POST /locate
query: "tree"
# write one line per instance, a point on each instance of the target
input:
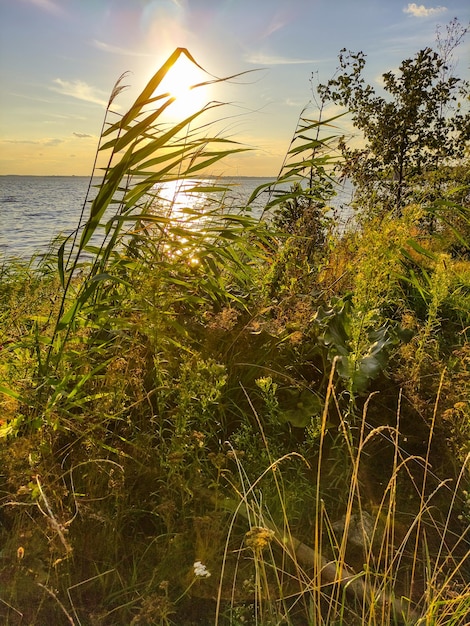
(415, 128)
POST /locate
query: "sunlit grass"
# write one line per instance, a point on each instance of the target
(270, 402)
(411, 572)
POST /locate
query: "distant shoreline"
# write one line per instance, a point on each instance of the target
(207, 176)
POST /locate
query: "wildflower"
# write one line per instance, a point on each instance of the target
(258, 538)
(200, 570)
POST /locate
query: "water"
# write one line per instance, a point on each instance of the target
(34, 210)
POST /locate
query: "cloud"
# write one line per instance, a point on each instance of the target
(20, 141)
(101, 45)
(47, 5)
(265, 59)
(79, 90)
(294, 103)
(275, 25)
(422, 11)
(50, 142)
(82, 135)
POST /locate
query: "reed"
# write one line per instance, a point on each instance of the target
(141, 151)
(211, 417)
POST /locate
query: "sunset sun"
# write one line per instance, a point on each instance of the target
(180, 84)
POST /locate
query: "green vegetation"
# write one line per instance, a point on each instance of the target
(417, 127)
(214, 419)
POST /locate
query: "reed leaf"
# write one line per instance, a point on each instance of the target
(145, 151)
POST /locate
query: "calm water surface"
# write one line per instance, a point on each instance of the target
(34, 210)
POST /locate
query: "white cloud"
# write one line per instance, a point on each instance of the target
(48, 5)
(101, 45)
(265, 59)
(294, 103)
(53, 142)
(48, 142)
(422, 11)
(274, 26)
(20, 141)
(79, 90)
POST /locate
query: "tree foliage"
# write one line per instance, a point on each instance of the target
(418, 125)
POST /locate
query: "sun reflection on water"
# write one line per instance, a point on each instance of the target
(191, 206)
(178, 195)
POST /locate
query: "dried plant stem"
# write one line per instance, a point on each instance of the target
(59, 528)
(53, 595)
(332, 572)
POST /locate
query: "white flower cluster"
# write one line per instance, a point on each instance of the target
(200, 570)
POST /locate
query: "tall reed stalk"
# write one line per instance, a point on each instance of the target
(142, 151)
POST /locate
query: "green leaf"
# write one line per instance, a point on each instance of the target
(11, 393)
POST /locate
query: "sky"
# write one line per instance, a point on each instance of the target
(59, 61)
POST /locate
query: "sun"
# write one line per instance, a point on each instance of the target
(179, 83)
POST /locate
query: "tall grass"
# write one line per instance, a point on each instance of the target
(376, 565)
(201, 410)
(141, 152)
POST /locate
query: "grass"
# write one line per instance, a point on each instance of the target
(386, 546)
(220, 420)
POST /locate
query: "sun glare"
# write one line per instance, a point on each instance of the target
(179, 82)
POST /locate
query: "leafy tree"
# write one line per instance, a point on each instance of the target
(417, 126)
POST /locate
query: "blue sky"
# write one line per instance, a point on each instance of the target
(59, 60)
